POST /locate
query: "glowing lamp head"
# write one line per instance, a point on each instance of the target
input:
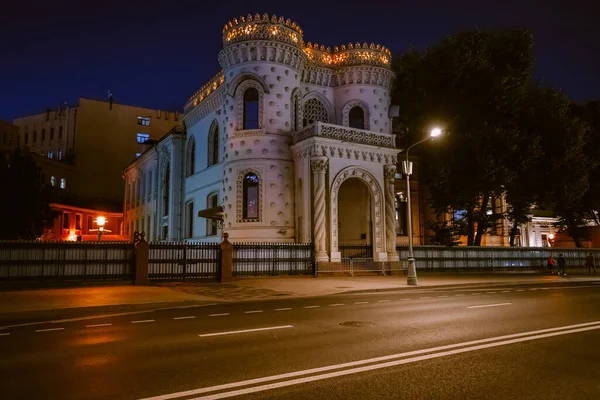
(100, 221)
(435, 132)
(551, 236)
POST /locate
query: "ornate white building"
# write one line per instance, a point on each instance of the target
(291, 140)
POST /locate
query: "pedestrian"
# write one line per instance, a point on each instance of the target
(589, 263)
(551, 264)
(561, 264)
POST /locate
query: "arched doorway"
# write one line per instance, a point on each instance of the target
(355, 219)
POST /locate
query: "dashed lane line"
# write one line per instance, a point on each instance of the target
(490, 292)
(4, 334)
(253, 312)
(311, 306)
(245, 331)
(383, 301)
(491, 305)
(188, 317)
(219, 315)
(283, 309)
(362, 302)
(505, 291)
(50, 330)
(142, 321)
(97, 325)
(336, 305)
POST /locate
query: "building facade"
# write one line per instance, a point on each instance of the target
(9, 137)
(291, 141)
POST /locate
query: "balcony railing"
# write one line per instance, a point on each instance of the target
(346, 134)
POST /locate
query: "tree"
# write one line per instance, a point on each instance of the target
(471, 82)
(27, 210)
(590, 113)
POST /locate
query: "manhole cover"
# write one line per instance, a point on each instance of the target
(357, 324)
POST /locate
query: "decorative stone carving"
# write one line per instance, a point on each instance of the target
(356, 103)
(371, 181)
(240, 195)
(365, 75)
(262, 50)
(249, 132)
(208, 105)
(346, 134)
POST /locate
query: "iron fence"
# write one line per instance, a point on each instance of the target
(57, 261)
(356, 251)
(358, 266)
(269, 259)
(442, 258)
(183, 261)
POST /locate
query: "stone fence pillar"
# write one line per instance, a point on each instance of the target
(142, 249)
(226, 259)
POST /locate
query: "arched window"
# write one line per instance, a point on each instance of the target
(211, 224)
(314, 111)
(213, 144)
(191, 157)
(251, 109)
(52, 181)
(250, 187)
(356, 118)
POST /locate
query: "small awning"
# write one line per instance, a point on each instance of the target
(212, 213)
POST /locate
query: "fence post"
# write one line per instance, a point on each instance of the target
(226, 259)
(141, 261)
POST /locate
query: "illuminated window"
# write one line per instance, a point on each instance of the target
(52, 181)
(356, 118)
(65, 224)
(143, 121)
(250, 206)
(314, 111)
(191, 157)
(251, 109)
(60, 155)
(90, 223)
(63, 183)
(78, 221)
(51, 133)
(213, 144)
(60, 132)
(50, 154)
(137, 155)
(189, 207)
(143, 137)
(211, 224)
(401, 215)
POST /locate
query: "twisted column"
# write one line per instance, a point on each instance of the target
(390, 212)
(319, 167)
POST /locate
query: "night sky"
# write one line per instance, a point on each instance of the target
(157, 53)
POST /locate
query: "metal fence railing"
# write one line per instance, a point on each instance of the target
(356, 251)
(358, 266)
(442, 258)
(58, 261)
(183, 261)
(267, 259)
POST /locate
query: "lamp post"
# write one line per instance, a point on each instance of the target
(407, 170)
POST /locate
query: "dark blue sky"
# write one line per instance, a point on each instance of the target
(157, 53)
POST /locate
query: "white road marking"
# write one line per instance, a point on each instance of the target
(246, 331)
(441, 296)
(336, 305)
(4, 334)
(490, 292)
(311, 306)
(97, 325)
(505, 291)
(188, 317)
(475, 345)
(219, 315)
(424, 297)
(491, 305)
(383, 301)
(142, 321)
(283, 309)
(362, 302)
(253, 312)
(50, 330)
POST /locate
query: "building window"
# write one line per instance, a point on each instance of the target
(42, 153)
(143, 137)
(191, 157)
(314, 111)
(401, 216)
(137, 155)
(143, 121)
(51, 133)
(211, 224)
(189, 209)
(63, 183)
(52, 181)
(213, 144)
(60, 132)
(167, 190)
(60, 154)
(251, 109)
(43, 135)
(78, 221)
(356, 118)
(90, 223)
(34, 136)
(65, 224)
(50, 154)
(250, 187)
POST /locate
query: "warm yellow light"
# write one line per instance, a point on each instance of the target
(551, 236)
(72, 237)
(100, 220)
(435, 132)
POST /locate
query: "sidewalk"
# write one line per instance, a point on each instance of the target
(55, 303)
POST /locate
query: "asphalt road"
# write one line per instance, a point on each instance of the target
(469, 342)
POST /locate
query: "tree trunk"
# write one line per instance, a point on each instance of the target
(470, 226)
(513, 233)
(482, 223)
(573, 230)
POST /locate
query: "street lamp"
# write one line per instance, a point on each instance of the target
(100, 221)
(407, 170)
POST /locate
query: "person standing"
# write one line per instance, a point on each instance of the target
(551, 263)
(589, 263)
(561, 265)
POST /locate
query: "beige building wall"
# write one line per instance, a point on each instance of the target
(9, 136)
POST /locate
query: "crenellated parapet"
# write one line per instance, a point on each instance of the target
(263, 27)
(208, 88)
(348, 55)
